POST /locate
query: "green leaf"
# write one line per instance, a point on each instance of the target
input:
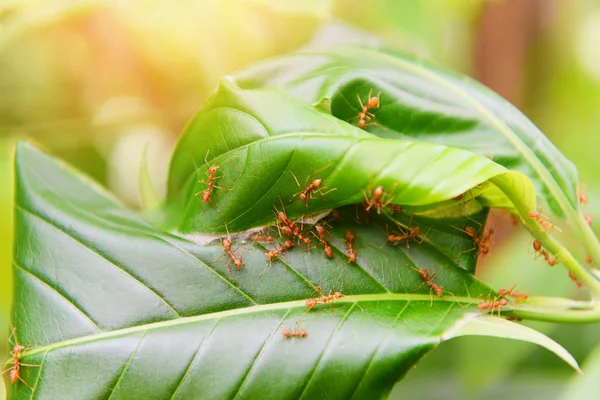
(585, 386)
(264, 139)
(499, 327)
(425, 103)
(115, 307)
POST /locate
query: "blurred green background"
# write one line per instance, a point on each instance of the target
(97, 82)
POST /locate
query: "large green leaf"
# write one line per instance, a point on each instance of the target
(115, 308)
(425, 103)
(261, 137)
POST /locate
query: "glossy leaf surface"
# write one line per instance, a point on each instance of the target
(424, 103)
(269, 146)
(113, 307)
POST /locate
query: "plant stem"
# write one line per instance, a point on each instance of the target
(561, 253)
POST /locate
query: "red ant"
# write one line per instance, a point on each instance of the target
(364, 115)
(537, 247)
(226, 243)
(588, 219)
(320, 299)
(377, 199)
(311, 188)
(321, 236)
(210, 173)
(542, 220)
(588, 259)
(295, 333)
(330, 298)
(583, 198)
(350, 238)
(481, 243)
(490, 304)
(396, 208)
(413, 233)
(263, 238)
(574, 279)
(512, 293)
(274, 253)
(271, 254)
(428, 280)
(290, 228)
(17, 353)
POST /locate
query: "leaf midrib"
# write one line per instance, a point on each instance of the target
(245, 311)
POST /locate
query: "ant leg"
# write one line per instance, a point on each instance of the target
(327, 192)
(362, 107)
(466, 251)
(422, 237)
(222, 188)
(13, 334)
(24, 382)
(296, 179)
(322, 169)
(420, 286)
(8, 370)
(206, 158)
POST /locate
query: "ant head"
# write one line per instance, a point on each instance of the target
(424, 274)
(439, 291)
(270, 255)
(503, 302)
(311, 303)
(338, 295)
(18, 348)
(290, 242)
(213, 169)
(349, 235)
(307, 240)
(238, 263)
(302, 333)
(588, 219)
(537, 245)
(362, 123)
(378, 191)
(583, 198)
(320, 229)
(352, 257)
